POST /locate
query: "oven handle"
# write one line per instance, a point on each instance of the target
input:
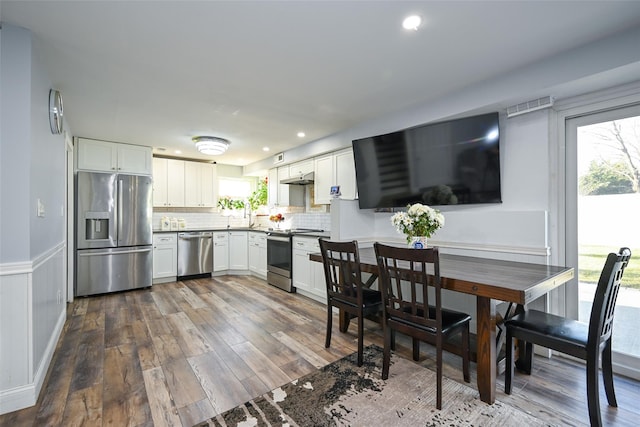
(279, 239)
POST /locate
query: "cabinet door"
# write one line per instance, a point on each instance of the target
(160, 176)
(301, 168)
(165, 255)
(175, 183)
(272, 188)
(301, 272)
(164, 262)
(346, 174)
(318, 283)
(324, 179)
(254, 254)
(208, 180)
(283, 189)
(262, 255)
(192, 185)
(220, 251)
(97, 155)
(238, 250)
(134, 159)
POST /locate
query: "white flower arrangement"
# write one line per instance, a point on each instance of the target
(418, 220)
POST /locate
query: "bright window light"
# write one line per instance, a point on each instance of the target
(236, 188)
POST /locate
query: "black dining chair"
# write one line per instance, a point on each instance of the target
(345, 289)
(406, 275)
(587, 341)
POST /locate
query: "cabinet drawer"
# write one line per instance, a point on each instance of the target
(165, 239)
(307, 244)
(221, 237)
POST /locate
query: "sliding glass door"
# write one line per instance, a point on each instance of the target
(603, 214)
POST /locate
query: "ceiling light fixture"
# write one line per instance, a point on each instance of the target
(301, 134)
(412, 22)
(211, 145)
(265, 148)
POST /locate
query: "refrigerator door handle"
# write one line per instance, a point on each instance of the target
(131, 251)
(120, 211)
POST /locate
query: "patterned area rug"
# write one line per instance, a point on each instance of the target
(343, 394)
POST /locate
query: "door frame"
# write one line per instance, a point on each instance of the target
(563, 200)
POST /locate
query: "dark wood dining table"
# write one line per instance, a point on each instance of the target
(491, 281)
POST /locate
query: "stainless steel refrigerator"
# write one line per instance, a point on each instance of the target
(113, 232)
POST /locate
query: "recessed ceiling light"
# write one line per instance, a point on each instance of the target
(301, 135)
(178, 152)
(265, 148)
(412, 22)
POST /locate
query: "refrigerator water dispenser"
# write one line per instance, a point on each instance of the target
(96, 225)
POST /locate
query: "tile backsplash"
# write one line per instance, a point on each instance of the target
(215, 220)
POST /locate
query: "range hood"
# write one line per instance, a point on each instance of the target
(304, 179)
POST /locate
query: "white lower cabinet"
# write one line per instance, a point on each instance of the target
(308, 276)
(258, 254)
(220, 251)
(230, 251)
(238, 257)
(165, 257)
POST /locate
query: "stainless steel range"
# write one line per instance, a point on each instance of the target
(279, 257)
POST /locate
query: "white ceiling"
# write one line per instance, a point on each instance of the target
(256, 72)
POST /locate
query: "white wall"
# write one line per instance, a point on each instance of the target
(15, 150)
(595, 66)
(32, 248)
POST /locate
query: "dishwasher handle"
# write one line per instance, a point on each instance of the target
(192, 236)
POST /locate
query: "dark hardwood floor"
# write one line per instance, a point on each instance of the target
(179, 353)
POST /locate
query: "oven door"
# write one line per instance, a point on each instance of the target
(279, 255)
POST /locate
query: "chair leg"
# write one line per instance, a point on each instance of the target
(386, 357)
(593, 398)
(465, 354)
(439, 376)
(607, 374)
(416, 349)
(393, 340)
(327, 342)
(525, 357)
(360, 338)
(508, 369)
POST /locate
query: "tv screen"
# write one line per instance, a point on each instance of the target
(446, 163)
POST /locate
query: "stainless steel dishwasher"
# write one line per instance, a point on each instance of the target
(195, 253)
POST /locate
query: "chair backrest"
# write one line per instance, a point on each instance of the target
(604, 302)
(342, 270)
(405, 278)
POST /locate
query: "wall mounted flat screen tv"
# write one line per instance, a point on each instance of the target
(446, 163)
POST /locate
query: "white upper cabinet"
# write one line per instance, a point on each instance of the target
(300, 168)
(283, 189)
(346, 173)
(168, 183)
(199, 184)
(94, 155)
(337, 168)
(272, 187)
(324, 179)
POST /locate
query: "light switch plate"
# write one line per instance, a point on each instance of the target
(40, 211)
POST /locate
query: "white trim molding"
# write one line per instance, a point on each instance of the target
(28, 338)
